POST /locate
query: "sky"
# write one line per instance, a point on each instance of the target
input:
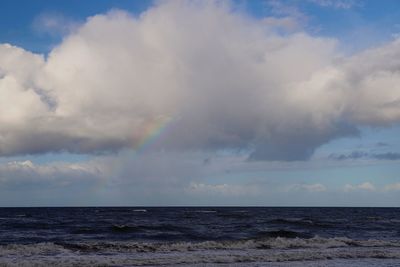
(244, 103)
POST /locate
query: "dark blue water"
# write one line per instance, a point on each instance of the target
(193, 236)
(34, 225)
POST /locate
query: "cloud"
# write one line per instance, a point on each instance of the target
(351, 156)
(392, 187)
(200, 77)
(54, 24)
(221, 189)
(160, 178)
(355, 155)
(337, 4)
(289, 24)
(387, 156)
(20, 174)
(382, 144)
(126, 177)
(287, 10)
(367, 186)
(307, 187)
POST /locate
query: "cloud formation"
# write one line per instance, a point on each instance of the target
(307, 187)
(54, 24)
(210, 77)
(367, 186)
(392, 187)
(26, 174)
(338, 4)
(108, 179)
(222, 189)
(355, 155)
(167, 179)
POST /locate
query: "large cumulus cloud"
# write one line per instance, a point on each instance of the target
(220, 79)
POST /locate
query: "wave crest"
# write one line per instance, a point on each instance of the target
(210, 252)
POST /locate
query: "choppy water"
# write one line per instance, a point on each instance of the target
(192, 236)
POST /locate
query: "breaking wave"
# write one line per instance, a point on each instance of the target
(254, 244)
(249, 244)
(269, 249)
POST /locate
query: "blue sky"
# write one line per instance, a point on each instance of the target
(199, 103)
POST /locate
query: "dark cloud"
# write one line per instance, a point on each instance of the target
(352, 155)
(365, 155)
(387, 156)
(382, 144)
(298, 145)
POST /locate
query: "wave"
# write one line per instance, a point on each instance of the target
(210, 252)
(139, 210)
(283, 233)
(252, 244)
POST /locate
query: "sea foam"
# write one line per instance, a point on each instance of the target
(247, 252)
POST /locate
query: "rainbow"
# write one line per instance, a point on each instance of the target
(149, 131)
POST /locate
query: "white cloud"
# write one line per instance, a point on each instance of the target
(20, 174)
(367, 186)
(222, 189)
(220, 80)
(286, 23)
(285, 9)
(148, 178)
(54, 24)
(338, 4)
(161, 179)
(392, 187)
(307, 187)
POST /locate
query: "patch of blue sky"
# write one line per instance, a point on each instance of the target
(48, 158)
(333, 177)
(370, 139)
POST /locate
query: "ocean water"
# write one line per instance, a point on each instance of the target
(193, 236)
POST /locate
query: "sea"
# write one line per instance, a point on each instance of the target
(199, 236)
